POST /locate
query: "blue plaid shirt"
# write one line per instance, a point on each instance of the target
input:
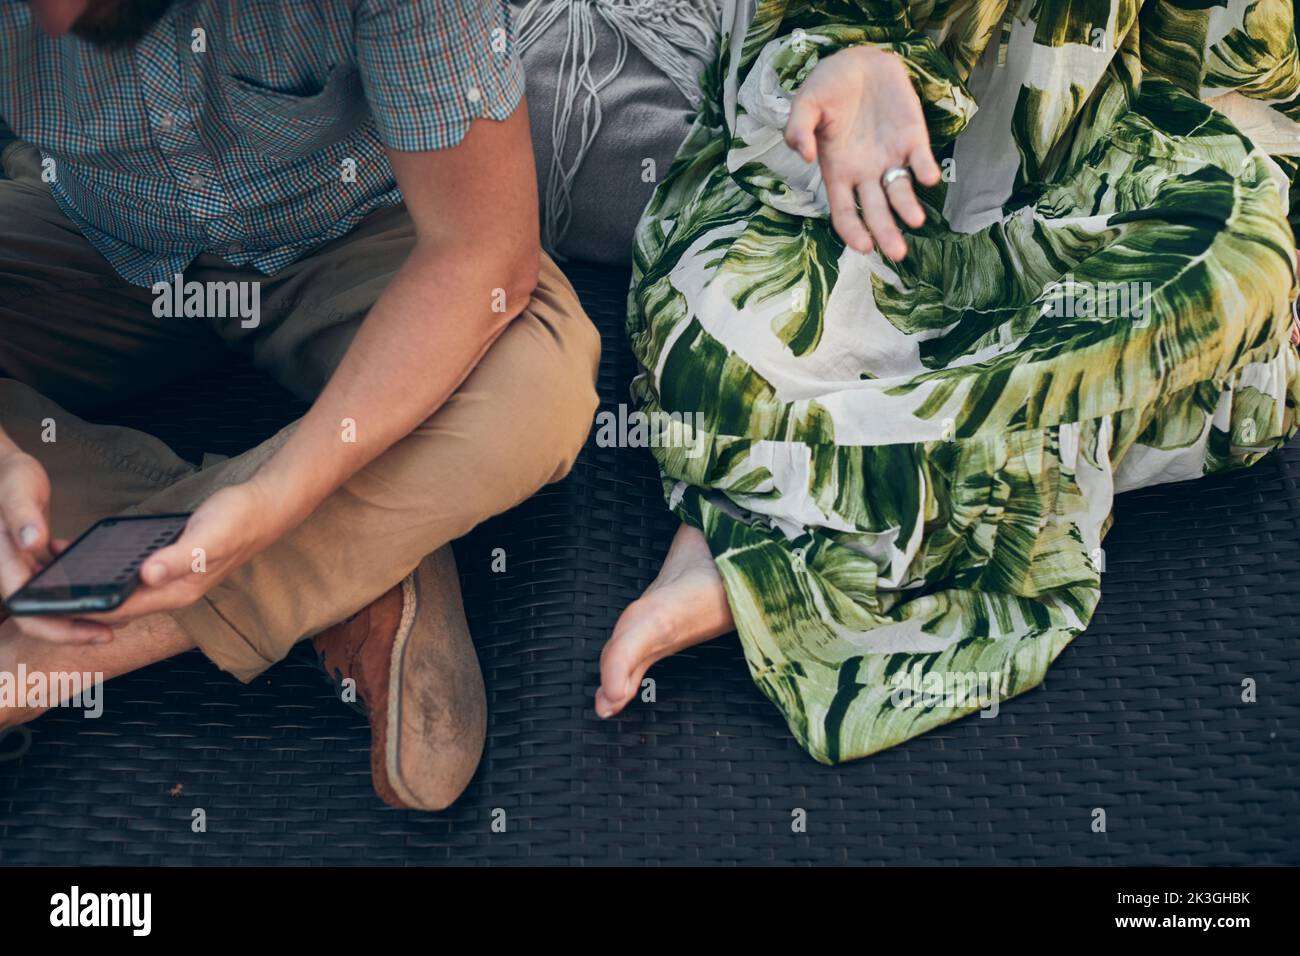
(250, 129)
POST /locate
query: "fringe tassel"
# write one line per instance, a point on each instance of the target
(677, 36)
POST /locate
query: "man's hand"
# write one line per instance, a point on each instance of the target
(859, 114)
(25, 545)
(228, 529)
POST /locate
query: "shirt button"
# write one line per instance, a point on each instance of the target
(197, 182)
(167, 123)
(474, 94)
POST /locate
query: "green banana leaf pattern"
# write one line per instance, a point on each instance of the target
(905, 470)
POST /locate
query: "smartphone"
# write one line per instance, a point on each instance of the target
(99, 570)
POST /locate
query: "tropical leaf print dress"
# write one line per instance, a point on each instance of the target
(905, 470)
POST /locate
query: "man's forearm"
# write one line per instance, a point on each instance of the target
(426, 332)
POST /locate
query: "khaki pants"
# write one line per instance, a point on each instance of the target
(73, 335)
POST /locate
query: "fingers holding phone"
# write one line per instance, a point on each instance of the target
(24, 503)
(97, 573)
(26, 547)
(228, 529)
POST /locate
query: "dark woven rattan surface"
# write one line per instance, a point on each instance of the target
(1142, 717)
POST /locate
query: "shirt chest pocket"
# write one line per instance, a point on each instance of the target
(288, 126)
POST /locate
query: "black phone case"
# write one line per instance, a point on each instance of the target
(29, 601)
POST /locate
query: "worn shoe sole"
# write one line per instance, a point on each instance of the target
(436, 718)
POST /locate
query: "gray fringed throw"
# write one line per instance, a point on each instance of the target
(677, 36)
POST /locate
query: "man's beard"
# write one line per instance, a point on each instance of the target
(119, 23)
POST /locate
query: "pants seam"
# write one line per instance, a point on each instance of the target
(212, 605)
(215, 646)
(155, 476)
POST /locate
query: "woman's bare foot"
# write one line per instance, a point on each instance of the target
(685, 605)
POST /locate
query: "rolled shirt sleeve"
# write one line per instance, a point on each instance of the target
(429, 67)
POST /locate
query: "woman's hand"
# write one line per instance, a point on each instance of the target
(858, 114)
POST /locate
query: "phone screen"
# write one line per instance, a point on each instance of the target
(106, 558)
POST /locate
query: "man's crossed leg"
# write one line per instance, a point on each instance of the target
(73, 335)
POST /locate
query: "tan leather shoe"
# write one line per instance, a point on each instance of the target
(418, 679)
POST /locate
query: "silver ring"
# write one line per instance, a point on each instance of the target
(894, 173)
